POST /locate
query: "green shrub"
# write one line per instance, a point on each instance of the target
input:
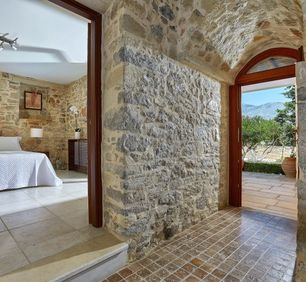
(263, 167)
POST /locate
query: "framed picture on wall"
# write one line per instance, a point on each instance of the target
(32, 100)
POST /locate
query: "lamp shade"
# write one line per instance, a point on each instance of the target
(37, 132)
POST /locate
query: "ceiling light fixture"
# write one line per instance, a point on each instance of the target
(10, 42)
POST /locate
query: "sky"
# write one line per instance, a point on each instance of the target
(260, 97)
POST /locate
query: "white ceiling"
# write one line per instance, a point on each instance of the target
(52, 41)
(68, 71)
(269, 85)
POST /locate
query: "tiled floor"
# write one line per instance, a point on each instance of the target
(69, 176)
(270, 193)
(39, 222)
(232, 245)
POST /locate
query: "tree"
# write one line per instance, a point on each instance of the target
(259, 131)
(286, 118)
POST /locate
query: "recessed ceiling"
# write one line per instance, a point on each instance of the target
(47, 34)
(61, 73)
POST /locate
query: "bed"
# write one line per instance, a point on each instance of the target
(20, 169)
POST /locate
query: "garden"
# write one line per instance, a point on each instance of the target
(269, 145)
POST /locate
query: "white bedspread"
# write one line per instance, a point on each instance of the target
(26, 169)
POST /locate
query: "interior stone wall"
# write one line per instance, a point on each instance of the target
(76, 95)
(162, 148)
(301, 184)
(15, 121)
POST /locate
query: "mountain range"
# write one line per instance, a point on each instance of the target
(267, 111)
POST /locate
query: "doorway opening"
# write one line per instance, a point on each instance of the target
(47, 85)
(94, 106)
(269, 66)
(269, 147)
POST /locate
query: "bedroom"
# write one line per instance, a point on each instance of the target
(43, 132)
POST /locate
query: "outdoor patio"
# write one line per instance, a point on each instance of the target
(271, 193)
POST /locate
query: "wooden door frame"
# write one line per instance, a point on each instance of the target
(94, 107)
(235, 114)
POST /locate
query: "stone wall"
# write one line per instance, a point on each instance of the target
(215, 36)
(161, 164)
(15, 121)
(301, 119)
(76, 95)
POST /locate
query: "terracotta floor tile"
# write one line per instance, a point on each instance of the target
(114, 278)
(153, 267)
(230, 278)
(207, 267)
(133, 278)
(162, 273)
(179, 262)
(211, 278)
(152, 278)
(181, 273)
(189, 267)
(192, 278)
(171, 267)
(197, 262)
(143, 272)
(145, 261)
(219, 273)
(200, 273)
(173, 278)
(246, 245)
(125, 272)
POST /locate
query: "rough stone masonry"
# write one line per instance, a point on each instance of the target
(167, 124)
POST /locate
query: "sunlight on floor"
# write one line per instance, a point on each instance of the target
(270, 193)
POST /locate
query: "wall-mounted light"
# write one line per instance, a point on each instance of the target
(10, 42)
(36, 132)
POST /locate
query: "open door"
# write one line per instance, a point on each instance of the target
(270, 65)
(235, 155)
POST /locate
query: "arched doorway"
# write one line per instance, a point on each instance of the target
(257, 70)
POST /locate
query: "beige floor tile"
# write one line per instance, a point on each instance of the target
(26, 217)
(53, 200)
(90, 232)
(12, 206)
(40, 231)
(288, 198)
(273, 193)
(283, 212)
(77, 220)
(69, 176)
(287, 205)
(36, 251)
(7, 242)
(260, 194)
(69, 207)
(11, 261)
(255, 199)
(2, 226)
(252, 204)
(13, 196)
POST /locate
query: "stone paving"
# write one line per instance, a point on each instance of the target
(270, 193)
(231, 245)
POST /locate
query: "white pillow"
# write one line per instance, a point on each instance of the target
(10, 143)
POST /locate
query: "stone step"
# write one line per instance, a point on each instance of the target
(89, 261)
